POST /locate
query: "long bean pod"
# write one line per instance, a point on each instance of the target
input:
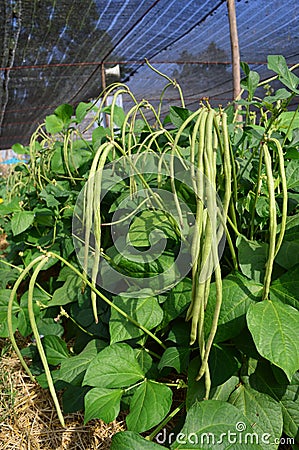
(283, 180)
(38, 341)
(273, 221)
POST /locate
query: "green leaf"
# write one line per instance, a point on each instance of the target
(286, 288)
(40, 297)
(275, 330)
(44, 216)
(11, 207)
(50, 200)
(56, 161)
(278, 64)
(255, 131)
(262, 207)
(102, 403)
(146, 311)
(252, 258)
(196, 391)
(54, 124)
(292, 174)
(175, 357)
(81, 111)
(211, 424)
(180, 333)
(149, 227)
(73, 398)
(162, 264)
(82, 310)
(126, 440)
(262, 379)
(178, 115)
(150, 403)
(47, 325)
(261, 410)
(43, 382)
(118, 115)
(245, 67)
(238, 294)
(288, 255)
(144, 359)
(56, 349)
(19, 149)
(73, 369)
(21, 221)
(79, 155)
(114, 367)
(292, 222)
(31, 254)
(8, 275)
(177, 300)
(280, 94)
(98, 135)
(139, 126)
(223, 364)
(288, 121)
(291, 153)
(64, 112)
(4, 299)
(250, 83)
(67, 293)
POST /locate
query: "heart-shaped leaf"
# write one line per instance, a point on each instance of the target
(21, 221)
(102, 403)
(56, 349)
(149, 405)
(274, 327)
(212, 424)
(114, 367)
(146, 311)
(261, 410)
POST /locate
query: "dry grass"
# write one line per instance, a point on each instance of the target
(28, 420)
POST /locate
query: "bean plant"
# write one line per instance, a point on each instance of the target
(153, 268)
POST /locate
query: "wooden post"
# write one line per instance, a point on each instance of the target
(234, 47)
(104, 85)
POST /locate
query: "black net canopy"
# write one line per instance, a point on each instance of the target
(62, 51)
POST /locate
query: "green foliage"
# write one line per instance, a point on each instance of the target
(129, 349)
(149, 405)
(275, 333)
(146, 312)
(115, 366)
(200, 432)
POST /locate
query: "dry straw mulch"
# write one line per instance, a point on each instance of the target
(28, 419)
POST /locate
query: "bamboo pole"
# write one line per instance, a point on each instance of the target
(234, 48)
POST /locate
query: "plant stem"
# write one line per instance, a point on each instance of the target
(65, 314)
(165, 422)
